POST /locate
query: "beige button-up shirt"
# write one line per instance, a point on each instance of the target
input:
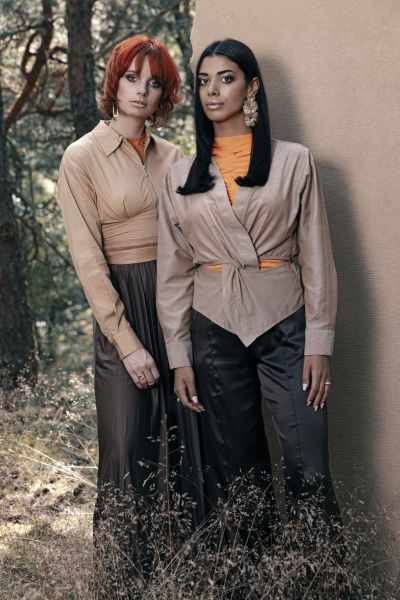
(285, 219)
(108, 198)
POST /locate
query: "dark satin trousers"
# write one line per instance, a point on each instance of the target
(232, 381)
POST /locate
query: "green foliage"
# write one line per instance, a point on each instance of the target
(44, 129)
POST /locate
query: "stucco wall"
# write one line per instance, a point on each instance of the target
(332, 77)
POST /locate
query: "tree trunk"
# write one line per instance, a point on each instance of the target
(17, 347)
(81, 65)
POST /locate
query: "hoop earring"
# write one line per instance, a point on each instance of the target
(250, 109)
(115, 111)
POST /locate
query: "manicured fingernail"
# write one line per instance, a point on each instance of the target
(194, 399)
(305, 386)
(315, 408)
(308, 402)
(322, 406)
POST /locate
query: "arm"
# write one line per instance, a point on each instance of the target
(320, 286)
(175, 278)
(77, 199)
(317, 266)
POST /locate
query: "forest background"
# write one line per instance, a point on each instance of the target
(52, 59)
(53, 56)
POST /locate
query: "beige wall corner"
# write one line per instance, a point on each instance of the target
(332, 78)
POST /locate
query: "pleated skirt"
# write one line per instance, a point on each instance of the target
(148, 443)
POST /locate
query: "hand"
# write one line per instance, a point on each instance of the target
(142, 368)
(185, 389)
(316, 377)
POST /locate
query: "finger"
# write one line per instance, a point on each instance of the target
(188, 404)
(193, 395)
(315, 385)
(147, 373)
(327, 390)
(137, 382)
(192, 391)
(306, 376)
(320, 394)
(183, 394)
(155, 373)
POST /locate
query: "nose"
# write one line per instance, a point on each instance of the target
(212, 88)
(142, 88)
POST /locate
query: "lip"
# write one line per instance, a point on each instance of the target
(214, 104)
(138, 103)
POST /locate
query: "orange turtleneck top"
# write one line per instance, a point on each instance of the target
(139, 144)
(232, 155)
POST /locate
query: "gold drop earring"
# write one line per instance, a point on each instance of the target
(250, 109)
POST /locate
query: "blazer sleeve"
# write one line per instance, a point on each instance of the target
(77, 199)
(175, 279)
(317, 265)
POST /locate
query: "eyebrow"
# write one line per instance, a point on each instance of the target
(220, 72)
(136, 73)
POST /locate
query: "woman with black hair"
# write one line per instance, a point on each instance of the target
(247, 287)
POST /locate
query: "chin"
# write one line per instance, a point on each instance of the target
(139, 113)
(216, 118)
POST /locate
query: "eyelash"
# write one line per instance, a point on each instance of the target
(153, 82)
(203, 81)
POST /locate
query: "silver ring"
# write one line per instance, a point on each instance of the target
(142, 376)
(328, 383)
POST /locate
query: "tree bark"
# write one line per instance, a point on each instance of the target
(81, 65)
(17, 344)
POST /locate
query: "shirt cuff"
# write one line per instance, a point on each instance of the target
(180, 354)
(126, 342)
(319, 341)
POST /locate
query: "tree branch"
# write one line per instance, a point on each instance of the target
(154, 21)
(32, 77)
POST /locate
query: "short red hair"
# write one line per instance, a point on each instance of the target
(162, 67)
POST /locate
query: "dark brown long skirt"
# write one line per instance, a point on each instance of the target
(149, 475)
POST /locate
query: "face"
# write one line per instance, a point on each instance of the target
(223, 88)
(138, 95)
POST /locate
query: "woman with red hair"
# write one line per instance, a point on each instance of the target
(109, 184)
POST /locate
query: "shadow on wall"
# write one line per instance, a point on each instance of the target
(353, 400)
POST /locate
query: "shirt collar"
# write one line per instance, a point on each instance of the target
(109, 139)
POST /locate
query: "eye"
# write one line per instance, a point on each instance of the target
(227, 79)
(155, 83)
(131, 77)
(202, 81)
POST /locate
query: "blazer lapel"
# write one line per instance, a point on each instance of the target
(231, 214)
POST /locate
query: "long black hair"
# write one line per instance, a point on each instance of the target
(199, 178)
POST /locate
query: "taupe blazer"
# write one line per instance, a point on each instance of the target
(285, 219)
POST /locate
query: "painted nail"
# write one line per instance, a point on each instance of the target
(315, 408)
(308, 402)
(305, 386)
(194, 399)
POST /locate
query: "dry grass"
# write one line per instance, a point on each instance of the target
(47, 471)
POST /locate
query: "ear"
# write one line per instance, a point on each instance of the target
(253, 86)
